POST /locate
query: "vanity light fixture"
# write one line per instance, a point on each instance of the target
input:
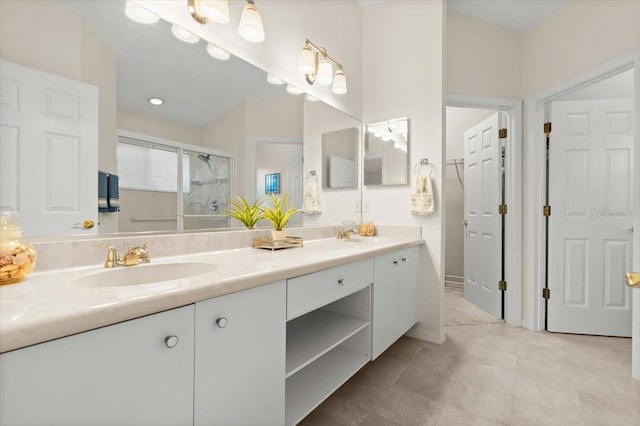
(138, 13)
(272, 79)
(317, 66)
(251, 28)
(294, 90)
(204, 11)
(218, 52)
(184, 35)
(155, 101)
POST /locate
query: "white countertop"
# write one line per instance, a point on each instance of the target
(49, 305)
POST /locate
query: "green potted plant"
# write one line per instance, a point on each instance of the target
(248, 214)
(279, 214)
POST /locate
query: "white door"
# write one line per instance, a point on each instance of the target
(590, 227)
(483, 233)
(49, 146)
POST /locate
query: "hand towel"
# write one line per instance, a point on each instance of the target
(103, 206)
(113, 193)
(422, 202)
(311, 201)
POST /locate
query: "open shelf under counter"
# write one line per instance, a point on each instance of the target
(306, 389)
(314, 334)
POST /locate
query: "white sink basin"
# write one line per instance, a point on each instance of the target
(144, 274)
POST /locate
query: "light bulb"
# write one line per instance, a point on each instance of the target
(386, 137)
(293, 90)
(250, 27)
(307, 61)
(218, 52)
(312, 98)
(339, 83)
(325, 73)
(184, 35)
(215, 10)
(137, 13)
(155, 101)
(272, 79)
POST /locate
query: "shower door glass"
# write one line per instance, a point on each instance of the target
(205, 190)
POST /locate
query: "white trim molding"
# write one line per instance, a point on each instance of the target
(513, 192)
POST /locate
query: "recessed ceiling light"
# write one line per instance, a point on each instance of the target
(155, 101)
(272, 79)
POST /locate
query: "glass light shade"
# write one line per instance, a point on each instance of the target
(272, 79)
(293, 90)
(218, 52)
(339, 83)
(386, 136)
(215, 10)
(137, 13)
(250, 27)
(184, 35)
(312, 98)
(325, 73)
(307, 61)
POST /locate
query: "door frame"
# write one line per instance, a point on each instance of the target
(513, 196)
(251, 185)
(537, 114)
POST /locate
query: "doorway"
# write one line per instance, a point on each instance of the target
(589, 223)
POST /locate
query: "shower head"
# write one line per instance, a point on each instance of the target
(204, 158)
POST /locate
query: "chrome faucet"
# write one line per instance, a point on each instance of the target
(134, 256)
(345, 234)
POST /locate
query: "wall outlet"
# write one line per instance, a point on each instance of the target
(366, 207)
(358, 208)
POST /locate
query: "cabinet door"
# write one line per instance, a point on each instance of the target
(124, 374)
(240, 358)
(408, 289)
(385, 303)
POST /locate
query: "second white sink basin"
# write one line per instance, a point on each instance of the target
(145, 274)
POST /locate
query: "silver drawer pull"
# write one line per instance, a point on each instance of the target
(171, 341)
(341, 281)
(404, 259)
(395, 262)
(222, 322)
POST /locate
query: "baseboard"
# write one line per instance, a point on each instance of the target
(454, 279)
(426, 335)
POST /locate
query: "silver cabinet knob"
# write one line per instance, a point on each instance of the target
(395, 262)
(171, 341)
(341, 281)
(222, 322)
(404, 259)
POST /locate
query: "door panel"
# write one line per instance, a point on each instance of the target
(591, 195)
(483, 188)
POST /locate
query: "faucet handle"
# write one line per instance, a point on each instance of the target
(113, 257)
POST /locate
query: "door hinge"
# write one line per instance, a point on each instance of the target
(502, 209)
(546, 293)
(547, 128)
(502, 285)
(502, 133)
(546, 211)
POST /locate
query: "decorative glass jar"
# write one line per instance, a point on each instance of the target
(17, 258)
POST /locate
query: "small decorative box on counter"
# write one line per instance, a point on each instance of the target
(367, 229)
(269, 244)
(17, 258)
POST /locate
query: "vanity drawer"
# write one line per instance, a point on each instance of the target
(309, 292)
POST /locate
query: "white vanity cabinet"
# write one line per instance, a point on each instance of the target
(138, 372)
(395, 297)
(328, 333)
(240, 358)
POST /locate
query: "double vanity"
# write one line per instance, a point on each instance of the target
(230, 337)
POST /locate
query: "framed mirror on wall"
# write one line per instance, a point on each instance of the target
(386, 153)
(340, 158)
(213, 106)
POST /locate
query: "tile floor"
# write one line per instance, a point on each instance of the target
(491, 374)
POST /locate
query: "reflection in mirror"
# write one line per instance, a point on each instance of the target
(386, 153)
(340, 158)
(213, 109)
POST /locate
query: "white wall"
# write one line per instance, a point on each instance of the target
(403, 54)
(162, 128)
(619, 86)
(458, 120)
(483, 59)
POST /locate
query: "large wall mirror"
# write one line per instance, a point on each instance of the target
(221, 131)
(386, 152)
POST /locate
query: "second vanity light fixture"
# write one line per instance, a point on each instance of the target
(317, 66)
(250, 27)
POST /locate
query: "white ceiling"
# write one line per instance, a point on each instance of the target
(151, 62)
(514, 14)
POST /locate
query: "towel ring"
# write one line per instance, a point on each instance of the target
(425, 165)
